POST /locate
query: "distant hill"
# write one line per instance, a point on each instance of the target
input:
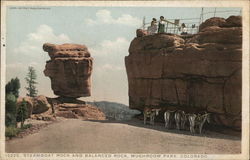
(115, 110)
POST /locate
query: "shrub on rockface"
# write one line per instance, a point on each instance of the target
(22, 113)
(10, 110)
(26, 126)
(12, 93)
(13, 87)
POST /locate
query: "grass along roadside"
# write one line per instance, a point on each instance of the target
(12, 131)
(31, 126)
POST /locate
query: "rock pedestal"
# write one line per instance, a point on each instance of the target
(195, 73)
(47, 109)
(79, 111)
(69, 69)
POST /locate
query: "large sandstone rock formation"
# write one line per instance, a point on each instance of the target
(192, 73)
(69, 69)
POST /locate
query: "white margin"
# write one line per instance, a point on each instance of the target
(189, 3)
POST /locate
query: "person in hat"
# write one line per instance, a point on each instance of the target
(161, 25)
(153, 27)
(184, 29)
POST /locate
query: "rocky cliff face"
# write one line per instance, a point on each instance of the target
(192, 73)
(69, 69)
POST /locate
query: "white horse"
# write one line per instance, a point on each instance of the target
(180, 119)
(150, 113)
(198, 120)
(168, 117)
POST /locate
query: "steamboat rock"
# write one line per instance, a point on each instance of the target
(200, 72)
(69, 69)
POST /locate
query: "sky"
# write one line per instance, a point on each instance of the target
(106, 31)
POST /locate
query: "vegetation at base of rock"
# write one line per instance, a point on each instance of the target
(22, 113)
(11, 131)
(31, 82)
(26, 126)
(10, 110)
(13, 87)
(13, 112)
(11, 95)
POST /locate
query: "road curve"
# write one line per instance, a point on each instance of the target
(74, 135)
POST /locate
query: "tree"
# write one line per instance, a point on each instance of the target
(10, 110)
(13, 87)
(22, 113)
(12, 93)
(31, 81)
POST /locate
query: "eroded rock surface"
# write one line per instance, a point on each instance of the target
(76, 109)
(79, 111)
(69, 69)
(199, 72)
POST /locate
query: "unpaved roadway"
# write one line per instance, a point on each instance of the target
(73, 135)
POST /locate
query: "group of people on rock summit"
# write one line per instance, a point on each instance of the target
(152, 29)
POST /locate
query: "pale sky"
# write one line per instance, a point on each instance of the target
(106, 31)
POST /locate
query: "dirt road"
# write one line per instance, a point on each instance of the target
(73, 135)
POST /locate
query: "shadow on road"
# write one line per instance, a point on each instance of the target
(213, 132)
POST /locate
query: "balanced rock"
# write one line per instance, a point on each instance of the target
(198, 73)
(69, 69)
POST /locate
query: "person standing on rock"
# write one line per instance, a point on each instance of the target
(184, 29)
(161, 25)
(153, 28)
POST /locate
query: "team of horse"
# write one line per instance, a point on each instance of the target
(178, 119)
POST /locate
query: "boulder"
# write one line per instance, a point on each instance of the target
(214, 34)
(40, 104)
(69, 69)
(196, 73)
(141, 33)
(153, 43)
(47, 109)
(234, 21)
(215, 21)
(36, 105)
